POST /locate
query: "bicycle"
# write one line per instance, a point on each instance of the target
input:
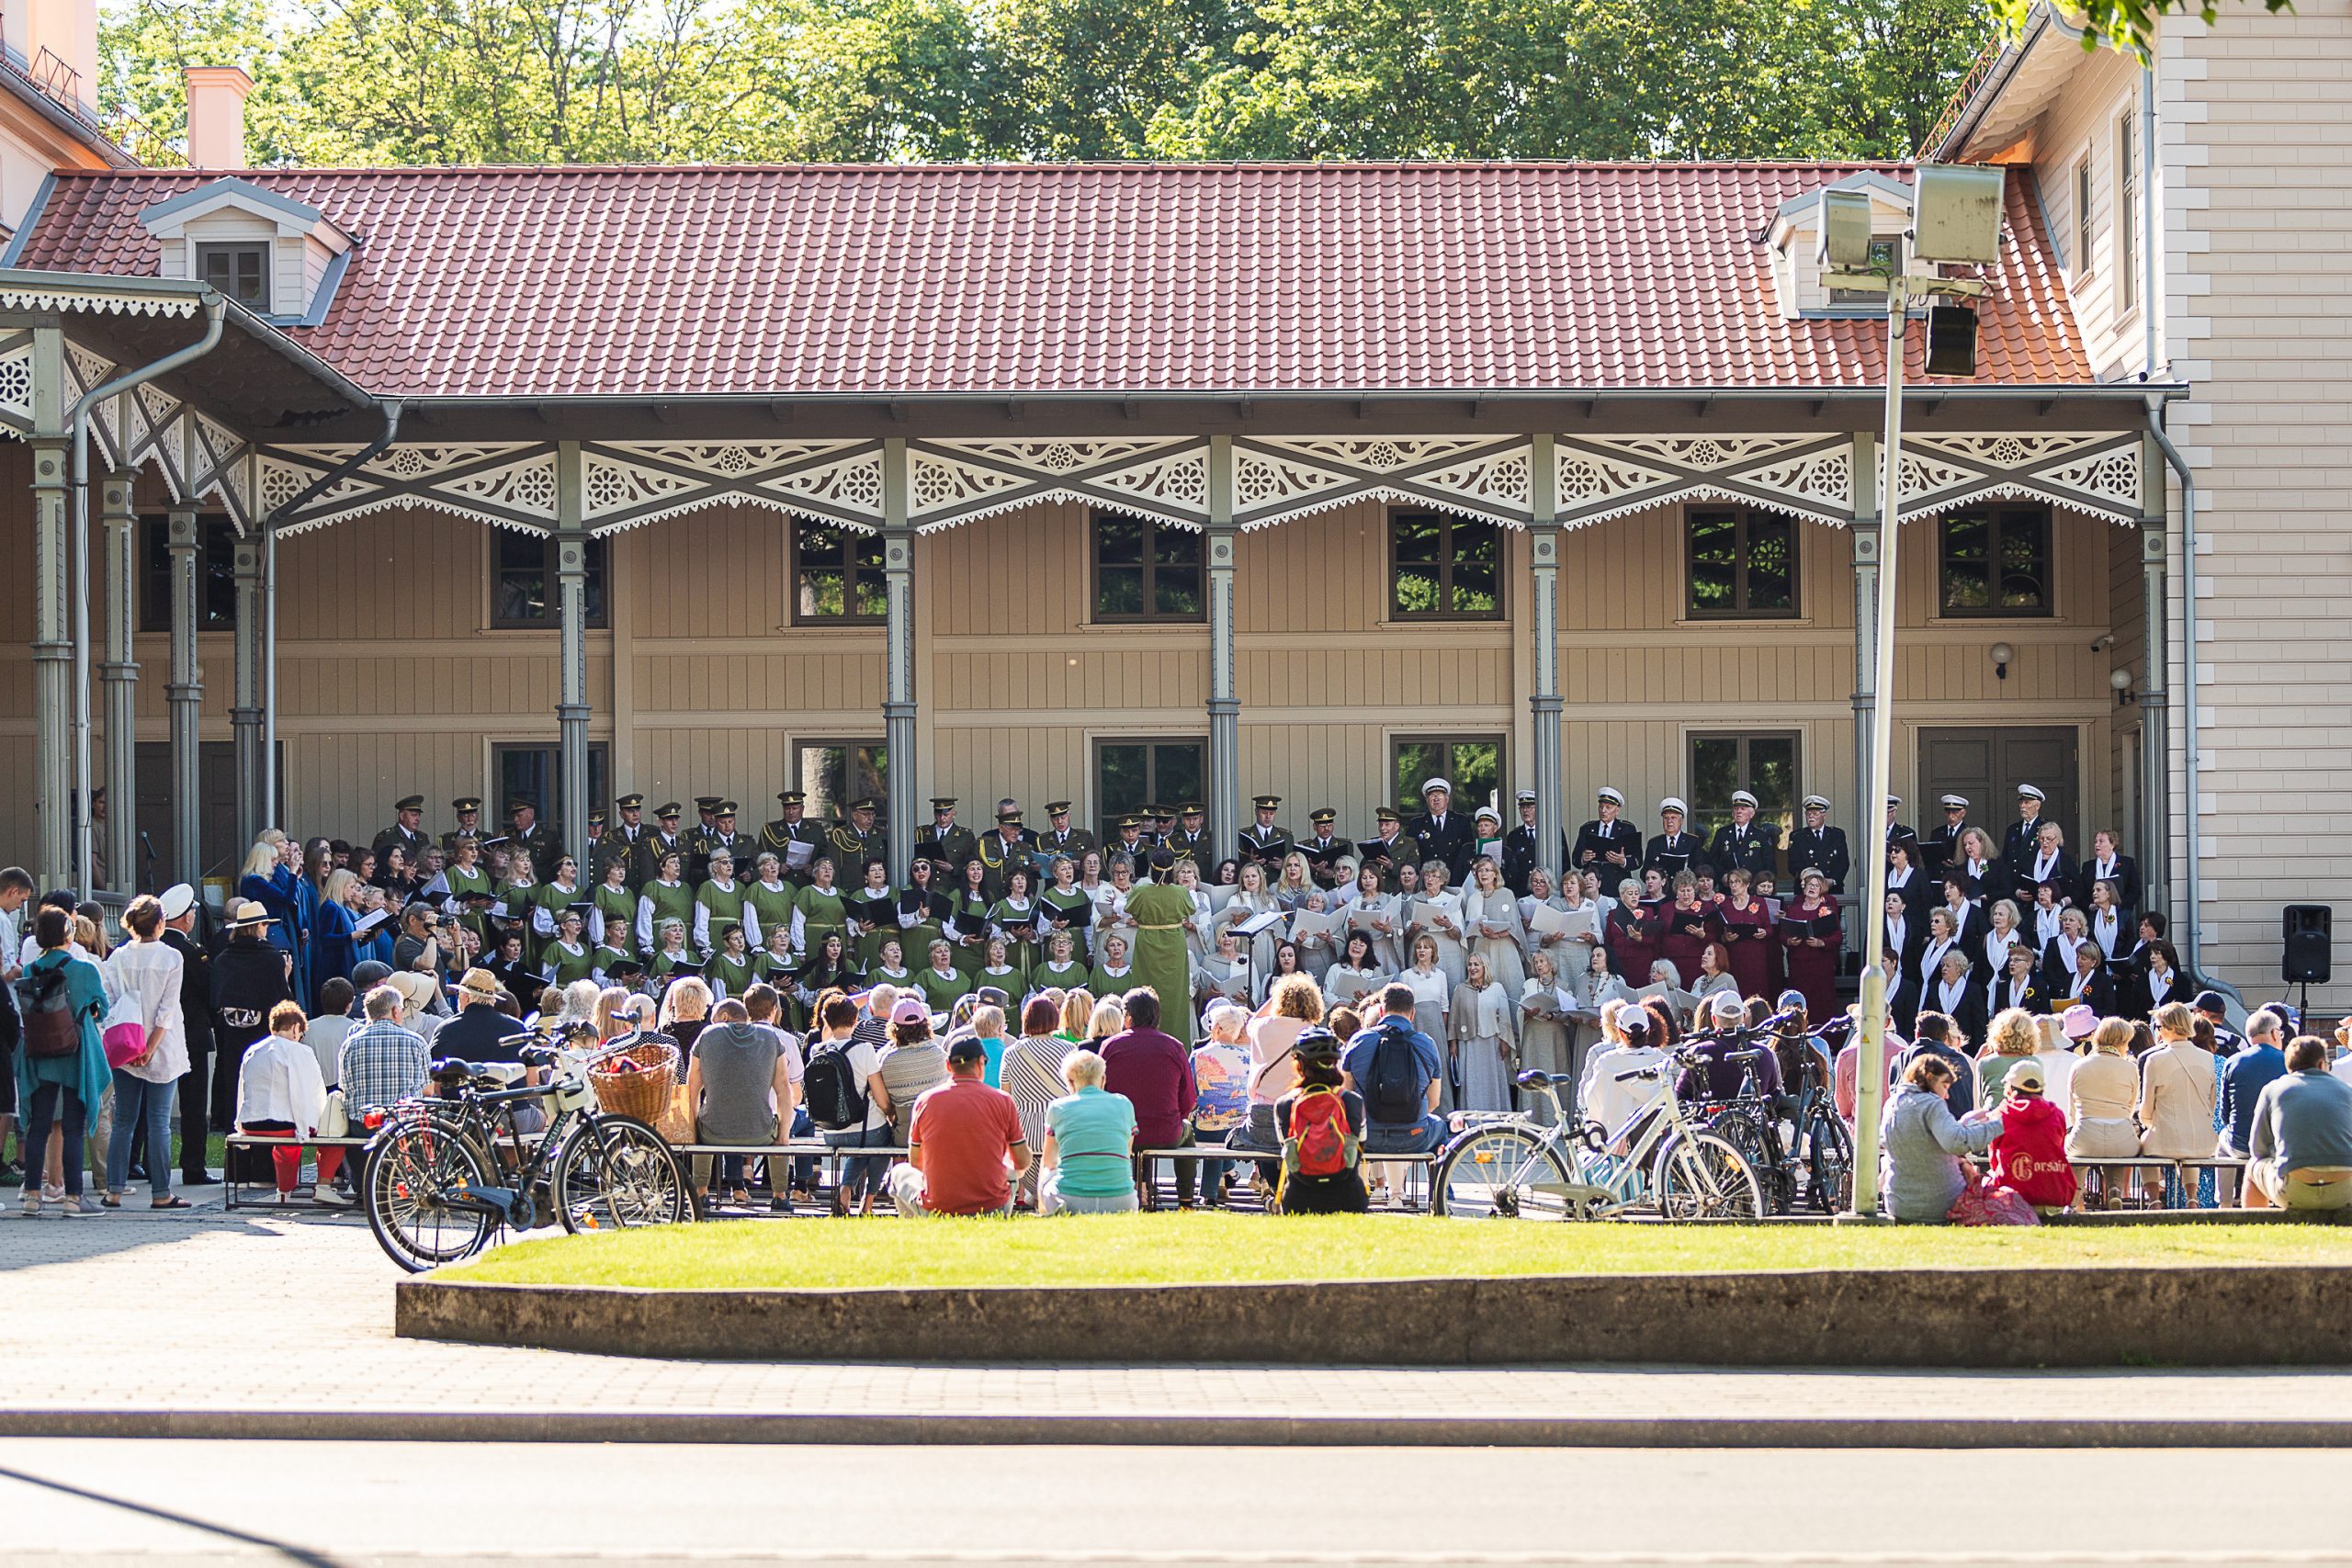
(439, 1185)
(1511, 1165)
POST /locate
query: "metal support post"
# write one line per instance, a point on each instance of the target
(1225, 706)
(571, 697)
(1544, 702)
(899, 673)
(119, 679)
(183, 696)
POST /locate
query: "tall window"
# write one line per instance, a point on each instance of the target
(1131, 775)
(1764, 765)
(1473, 764)
(524, 589)
(836, 772)
(216, 574)
(534, 771)
(837, 577)
(241, 272)
(1146, 570)
(1743, 563)
(1996, 562)
(2083, 219)
(2127, 214)
(1443, 568)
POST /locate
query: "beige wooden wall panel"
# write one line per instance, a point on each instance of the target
(405, 574)
(1342, 765)
(1626, 574)
(1325, 573)
(2081, 124)
(1020, 574)
(1034, 763)
(723, 572)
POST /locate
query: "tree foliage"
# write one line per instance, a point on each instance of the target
(558, 81)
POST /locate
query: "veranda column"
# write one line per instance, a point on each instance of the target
(53, 609)
(1866, 813)
(1225, 707)
(183, 696)
(2156, 701)
(571, 696)
(899, 661)
(245, 699)
(1544, 702)
(118, 682)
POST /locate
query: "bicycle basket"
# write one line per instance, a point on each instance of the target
(642, 1088)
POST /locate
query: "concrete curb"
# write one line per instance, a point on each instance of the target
(1175, 1430)
(2195, 1316)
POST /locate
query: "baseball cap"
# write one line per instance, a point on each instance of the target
(1789, 998)
(2023, 1078)
(910, 1010)
(2207, 1001)
(964, 1050)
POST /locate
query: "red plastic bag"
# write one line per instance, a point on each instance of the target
(1983, 1205)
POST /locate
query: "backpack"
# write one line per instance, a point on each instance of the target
(1395, 1094)
(830, 1086)
(44, 1000)
(1319, 1142)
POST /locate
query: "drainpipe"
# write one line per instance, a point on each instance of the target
(2194, 904)
(2148, 222)
(77, 425)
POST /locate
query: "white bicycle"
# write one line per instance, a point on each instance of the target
(1508, 1166)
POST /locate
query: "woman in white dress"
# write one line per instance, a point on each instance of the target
(1385, 925)
(1197, 937)
(1490, 916)
(1540, 896)
(1482, 1038)
(1357, 972)
(1251, 900)
(1443, 921)
(1315, 949)
(1432, 991)
(1543, 1025)
(1111, 918)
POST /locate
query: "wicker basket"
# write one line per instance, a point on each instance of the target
(645, 1093)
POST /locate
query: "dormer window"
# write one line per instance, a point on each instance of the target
(241, 272)
(1886, 257)
(1799, 269)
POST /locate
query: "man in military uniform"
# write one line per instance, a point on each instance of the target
(1262, 841)
(1441, 833)
(651, 848)
(1675, 847)
(1323, 848)
(1191, 839)
(527, 835)
(407, 829)
(1609, 845)
(1004, 846)
(724, 835)
(1900, 832)
(1941, 848)
(621, 840)
(1130, 841)
(1162, 828)
(1059, 838)
(945, 843)
(1817, 846)
(1520, 858)
(468, 810)
(696, 842)
(591, 854)
(852, 842)
(2018, 846)
(1387, 848)
(793, 828)
(1744, 841)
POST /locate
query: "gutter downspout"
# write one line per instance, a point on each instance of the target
(2192, 900)
(2148, 224)
(391, 408)
(77, 424)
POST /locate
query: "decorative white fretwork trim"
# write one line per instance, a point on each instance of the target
(2098, 474)
(957, 481)
(1277, 479)
(628, 483)
(196, 454)
(507, 484)
(1809, 476)
(107, 304)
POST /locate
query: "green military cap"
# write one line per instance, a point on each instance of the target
(632, 801)
(1194, 809)
(705, 803)
(667, 809)
(596, 818)
(516, 803)
(409, 803)
(943, 803)
(792, 797)
(1009, 814)
(1267, 802)
(866, 803)
(1321, 815)
(726, 808)
(466, 803)
(1057, 807)
(1387, 813)
(1131, 821)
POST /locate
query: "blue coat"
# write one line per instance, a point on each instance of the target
(333, 954)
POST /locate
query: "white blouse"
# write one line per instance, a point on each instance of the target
(149, 972)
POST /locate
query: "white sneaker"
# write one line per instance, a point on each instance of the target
(50, 1194)
(332, 1197)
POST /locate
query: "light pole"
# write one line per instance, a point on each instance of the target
(1955, 216)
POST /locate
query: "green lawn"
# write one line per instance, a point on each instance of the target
(1146, 1249)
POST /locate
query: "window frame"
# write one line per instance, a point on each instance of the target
(1999, 513)
(1715, 813)
(1448, 521)
(2085, 242)
(600, 781)
(213, 529)
(2128, 175)
(599, 607)
(850, 569)
(1466, 805)
(263, 250)
(1862, 299)
(1742, 610)
(796, 756)
(1105, 816)
(1151, 565)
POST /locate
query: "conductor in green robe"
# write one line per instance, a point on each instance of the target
(1162, 959)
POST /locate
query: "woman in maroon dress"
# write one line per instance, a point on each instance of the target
(1748, 933)
(1689, 926)
(1632, 933)
(1812, 956)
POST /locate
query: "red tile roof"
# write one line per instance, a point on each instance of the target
(1068, 278)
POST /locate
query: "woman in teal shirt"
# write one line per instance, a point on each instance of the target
(64, 1090)
(1089, 1157)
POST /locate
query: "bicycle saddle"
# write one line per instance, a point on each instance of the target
(454, 1069)
(1537, 1077)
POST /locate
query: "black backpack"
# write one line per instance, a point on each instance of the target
(45, 1000)
(1396, 1094)
(831, 1088)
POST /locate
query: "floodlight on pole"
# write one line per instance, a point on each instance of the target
(1955, 216)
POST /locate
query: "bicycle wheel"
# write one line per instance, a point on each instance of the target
(616, 1173)
(1829, 1164)
(410, 1167)
(1700, 1177)
(1499, 1173)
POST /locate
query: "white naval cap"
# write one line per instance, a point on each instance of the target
(1614, 796)
(1429, 784)
(1672, 803)
(1741, 798)
(177, 900)
(1817, 803)
(1956, 802)
(2029, 792)
(1894, 800)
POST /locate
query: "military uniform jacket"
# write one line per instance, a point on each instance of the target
(1941, 848)
(1193, 847)
(1267, 846)
(1901, 833)
(1755, 850)
(1074, 843)
(449, 841)
(646, 861)
(1450, 841)
(997, 855)
(777, 838)
(1597, 841)
(1385, 853)
(953, 852)
(2018, 843)
(543, 849)
(695, 844)
(396, 834)
(1518, 857)
(738, 846)
(618, 844)
(1322, 854)
(849, 850)
(1673, 852)
(1823, 851)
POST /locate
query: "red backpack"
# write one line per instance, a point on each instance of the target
(1321, 1143)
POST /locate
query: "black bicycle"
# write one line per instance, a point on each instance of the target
(1815, 1167)
(445, 1174)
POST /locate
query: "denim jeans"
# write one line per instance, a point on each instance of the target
(1417, 1138)
(53, 1103)
(137, 1104)
(864, 1174)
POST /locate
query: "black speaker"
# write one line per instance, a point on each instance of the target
(2304, 929)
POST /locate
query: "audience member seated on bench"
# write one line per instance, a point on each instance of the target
(1088, 1157)
(959, 1140)
(2301, 1144)
(1396, 1067)
(740, 1086)
(280, 1094)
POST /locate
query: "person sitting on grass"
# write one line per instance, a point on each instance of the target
(961, 1138)
(1088, 1157)
(1321, 1123)
(2029, 1154)
(1924, 1141)
(739, 1085)
(2300, 1139)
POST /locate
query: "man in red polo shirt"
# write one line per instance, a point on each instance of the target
(1152, 1069)
(959, 1143)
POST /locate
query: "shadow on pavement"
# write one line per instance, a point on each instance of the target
(290, 1553)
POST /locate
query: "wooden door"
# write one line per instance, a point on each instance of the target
(1987, 762)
